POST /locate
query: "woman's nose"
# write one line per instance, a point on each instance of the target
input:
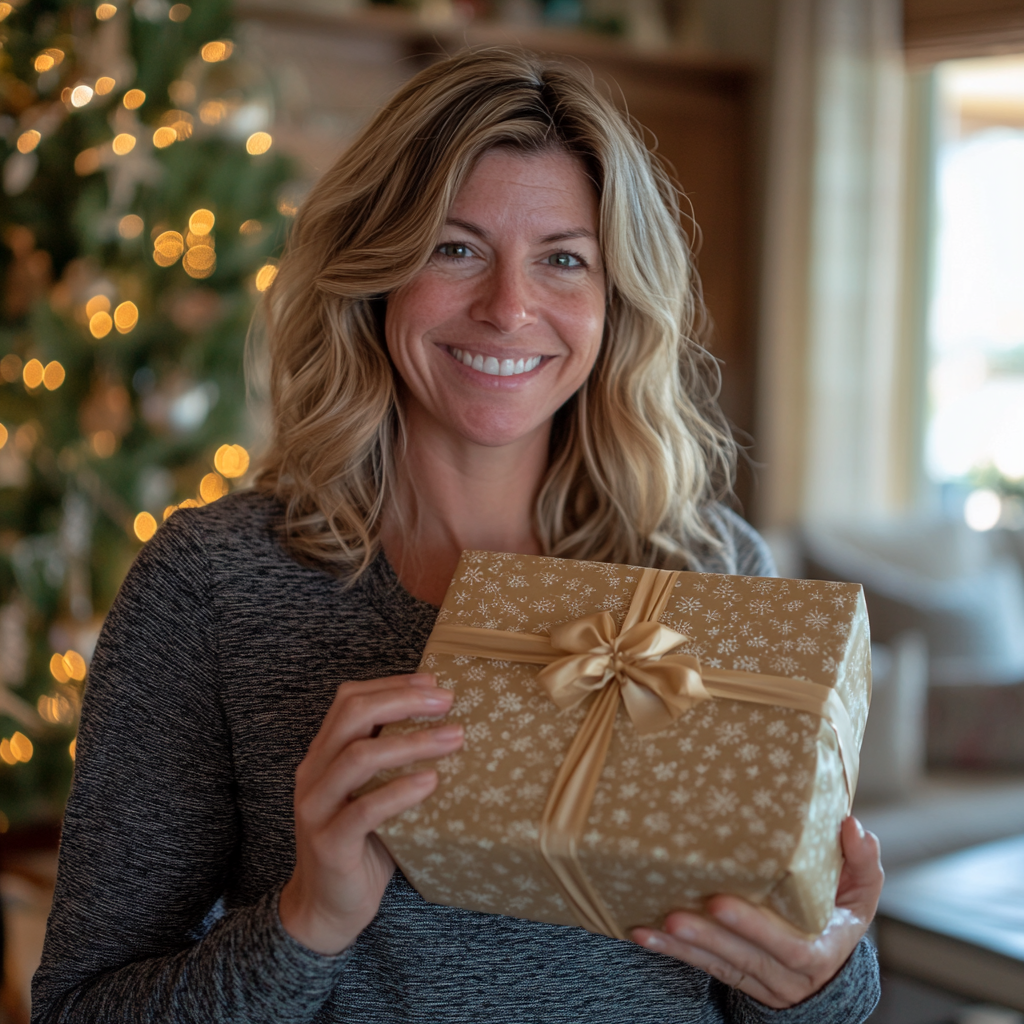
(503, 299)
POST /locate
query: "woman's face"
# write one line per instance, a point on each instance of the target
(504, 323)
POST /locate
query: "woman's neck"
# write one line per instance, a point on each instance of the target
(455, 495)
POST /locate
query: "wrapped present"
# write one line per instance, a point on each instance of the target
(637, 740)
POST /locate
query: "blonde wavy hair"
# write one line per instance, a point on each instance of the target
(637, 454)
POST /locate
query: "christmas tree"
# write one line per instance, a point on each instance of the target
(143, 201)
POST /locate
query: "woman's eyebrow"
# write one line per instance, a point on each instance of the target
(558, 236)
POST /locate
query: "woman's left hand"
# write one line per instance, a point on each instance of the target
(753, 950)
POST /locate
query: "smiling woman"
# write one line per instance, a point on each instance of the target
(480, 337)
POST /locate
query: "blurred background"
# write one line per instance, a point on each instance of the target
(855, 174)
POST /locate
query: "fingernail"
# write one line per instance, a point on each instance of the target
(726, 916)
(654, 942)
(684, 931)
(448, 732)
(423, 679)
(860, 828)
(424, 779)
(439, 700)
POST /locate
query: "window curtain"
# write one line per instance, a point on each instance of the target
(836, 442)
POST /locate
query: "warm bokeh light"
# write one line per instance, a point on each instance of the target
(57, 669)
(201, 222)
(74, 665)
(982, 509)
(97, 304)
(106, 11)
(21, 747)
(286, 207)
(25, 438)
(250, 227)
(27, 141)
(3, 435)
(133, 99)
(200, 261)
(32, 375)
(124, 143)
(180, 121)
(10, 367)
(80, 95)
(265, 277)
(220, 49)
(56, 710)
(179, 12)
(191, 239)
(169, 245)
(87, 162)
(144, 526)
(130, 226)
(212, 111)
(104, 85)
(212, 487)
(72, 747)
(169, 511)
(53, 375)
(104, 443)
(5, 9)
(164, 137)
(100, 324)
(182, 93)
(44, 62)
(231, 460)
(6, 754)
(126, 316)
(258, 142)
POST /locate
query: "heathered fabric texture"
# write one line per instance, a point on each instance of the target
(212, 675)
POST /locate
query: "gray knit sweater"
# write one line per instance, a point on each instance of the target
(214, 670)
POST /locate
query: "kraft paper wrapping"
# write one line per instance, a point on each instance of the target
(733, 797)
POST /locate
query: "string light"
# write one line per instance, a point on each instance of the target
(57, 669)
(231, 460)
(179, 12)
(73, 747)
(104, 444)
(144, 526)
(130, 226)
(104, 85)
(124, 143)
(106, 11)
(74, 665)
(27, 141)
(10, 367)
(97, 304)
(87, 162)
(265, 277)
(180, 121)
(80, 95)
(48, 59)
(201, 222)
(21, 747)
(126, 316)
(6, 754)
(53, 375)
(286, 207)
(200, 261)
(216, 51)
(167, 247)
(133, 99)
(3, 435)
(250, 227)
(32, 375)
(169, 511)
(56, 709)
(212, 487)
(163, 137)
(258, 143)
(100, 324)
(5, 9)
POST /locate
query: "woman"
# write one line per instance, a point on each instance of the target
(479, 338)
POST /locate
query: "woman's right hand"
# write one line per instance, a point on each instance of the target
(341, 867)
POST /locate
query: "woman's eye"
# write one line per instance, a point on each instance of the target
(565, 259)
(454, 250)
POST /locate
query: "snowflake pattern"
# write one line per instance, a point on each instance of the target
(735, 796)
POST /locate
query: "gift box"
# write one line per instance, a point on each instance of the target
(637, 740)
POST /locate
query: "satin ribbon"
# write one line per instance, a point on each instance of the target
(589, 655)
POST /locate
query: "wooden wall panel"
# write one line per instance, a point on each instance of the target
(936, 30)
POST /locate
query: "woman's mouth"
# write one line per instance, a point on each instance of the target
(493, 366)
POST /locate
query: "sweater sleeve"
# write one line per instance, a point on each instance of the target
(152, 827)
(849, 998)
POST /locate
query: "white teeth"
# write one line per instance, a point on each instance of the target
(493, 366)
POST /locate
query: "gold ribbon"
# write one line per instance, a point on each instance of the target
(584, 657)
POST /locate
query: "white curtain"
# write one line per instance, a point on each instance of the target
(834, 430)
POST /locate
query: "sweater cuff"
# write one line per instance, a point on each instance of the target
(850, 996)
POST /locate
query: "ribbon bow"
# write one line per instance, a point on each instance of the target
(656, 687)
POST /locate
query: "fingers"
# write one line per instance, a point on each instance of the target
(860, 883)
(358, 762)
(689, 945)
